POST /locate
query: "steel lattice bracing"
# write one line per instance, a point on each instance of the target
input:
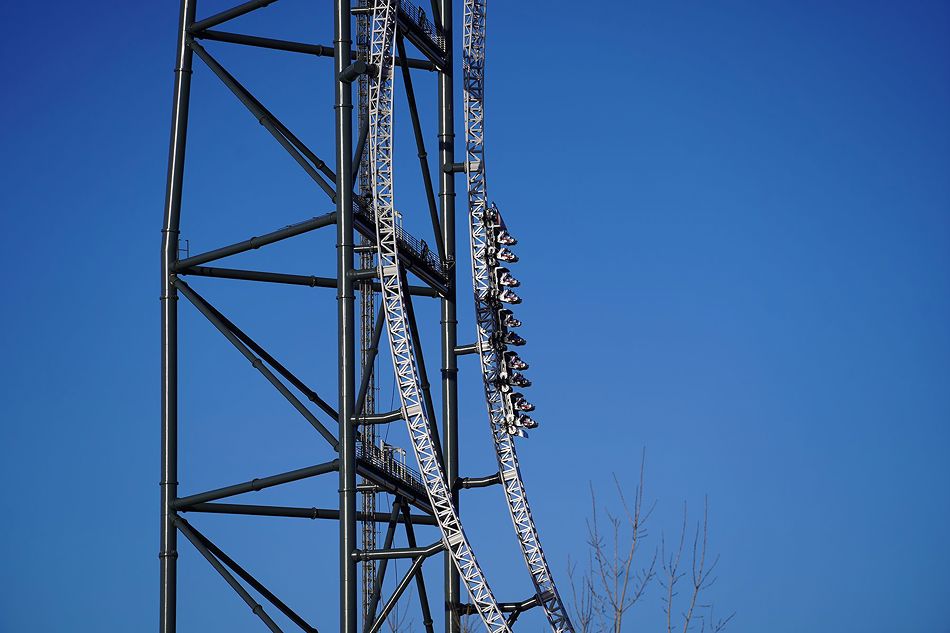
(382, 54)
(359, 186)
(367, 320)
(500, 410)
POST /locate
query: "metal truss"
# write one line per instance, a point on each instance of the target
(358, 183)
(485, 227)
(405, 363)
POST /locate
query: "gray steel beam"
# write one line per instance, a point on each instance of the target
(388, 483)
(421, 152)
(297, 513)
(380, 418)
(370, 360)
(295, 47)
(256, 608)
(229, 14)
(311, 281)
(420, 39)
(400, 552)
(478, 482)
(304, 157)
(256, 484)
(256, 242)
(462, 350)
(505, 607)
(423, 374)
(384, 563)
(205, 308)
(312, 395)
(346, 324)
(420, 578)
(168, 483)
(253, 582)
(413, 570)
(449, 319)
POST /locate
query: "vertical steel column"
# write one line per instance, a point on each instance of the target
(343, 106)
(449, 322)
(168, 552)
(367, 314)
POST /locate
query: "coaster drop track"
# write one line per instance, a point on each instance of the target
(492, 284)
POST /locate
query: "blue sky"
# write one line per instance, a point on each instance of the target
(735, 241)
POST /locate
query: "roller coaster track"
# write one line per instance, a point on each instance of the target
(497, 363)
(486, 226)
(394, 296)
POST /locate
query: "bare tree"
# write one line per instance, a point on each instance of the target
(614, 580)
(618, 575)
(702, 578)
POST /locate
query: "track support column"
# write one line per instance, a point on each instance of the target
(168, 552)
(449, 320)
(343, 106)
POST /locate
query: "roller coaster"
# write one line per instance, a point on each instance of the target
(389, 255)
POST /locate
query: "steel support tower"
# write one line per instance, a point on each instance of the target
(375, 259)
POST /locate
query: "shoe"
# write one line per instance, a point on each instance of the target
(513, 361)
(508, 296)
(518, 380)
(511, 338)
(505, 278)
(505, 255)
(507, 318)
(518, 402)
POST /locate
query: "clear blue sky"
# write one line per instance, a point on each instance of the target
(735, 223)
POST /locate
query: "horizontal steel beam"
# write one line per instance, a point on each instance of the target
(504, 607)
(412, 572)
(478, 482)
(462, 350)
(256, 484)
(298, 513)
(256, 242)
(400, 552)
(295, 47)
(380, 418)
(310, 281)
(258, 275)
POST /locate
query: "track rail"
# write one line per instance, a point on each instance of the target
(484, 222)
(394, 295)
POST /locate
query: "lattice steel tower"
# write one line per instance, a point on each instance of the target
(375, 259)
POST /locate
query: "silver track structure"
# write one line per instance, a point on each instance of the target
(374, 256)
(485, 224)
(405, 364)
(367, 298)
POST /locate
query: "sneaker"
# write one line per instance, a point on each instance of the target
(505, 255)
(508, 296)
(513, 361)
(504, 237)
(518, 380)
(511, 338)
(507, 318)
(518, 402)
